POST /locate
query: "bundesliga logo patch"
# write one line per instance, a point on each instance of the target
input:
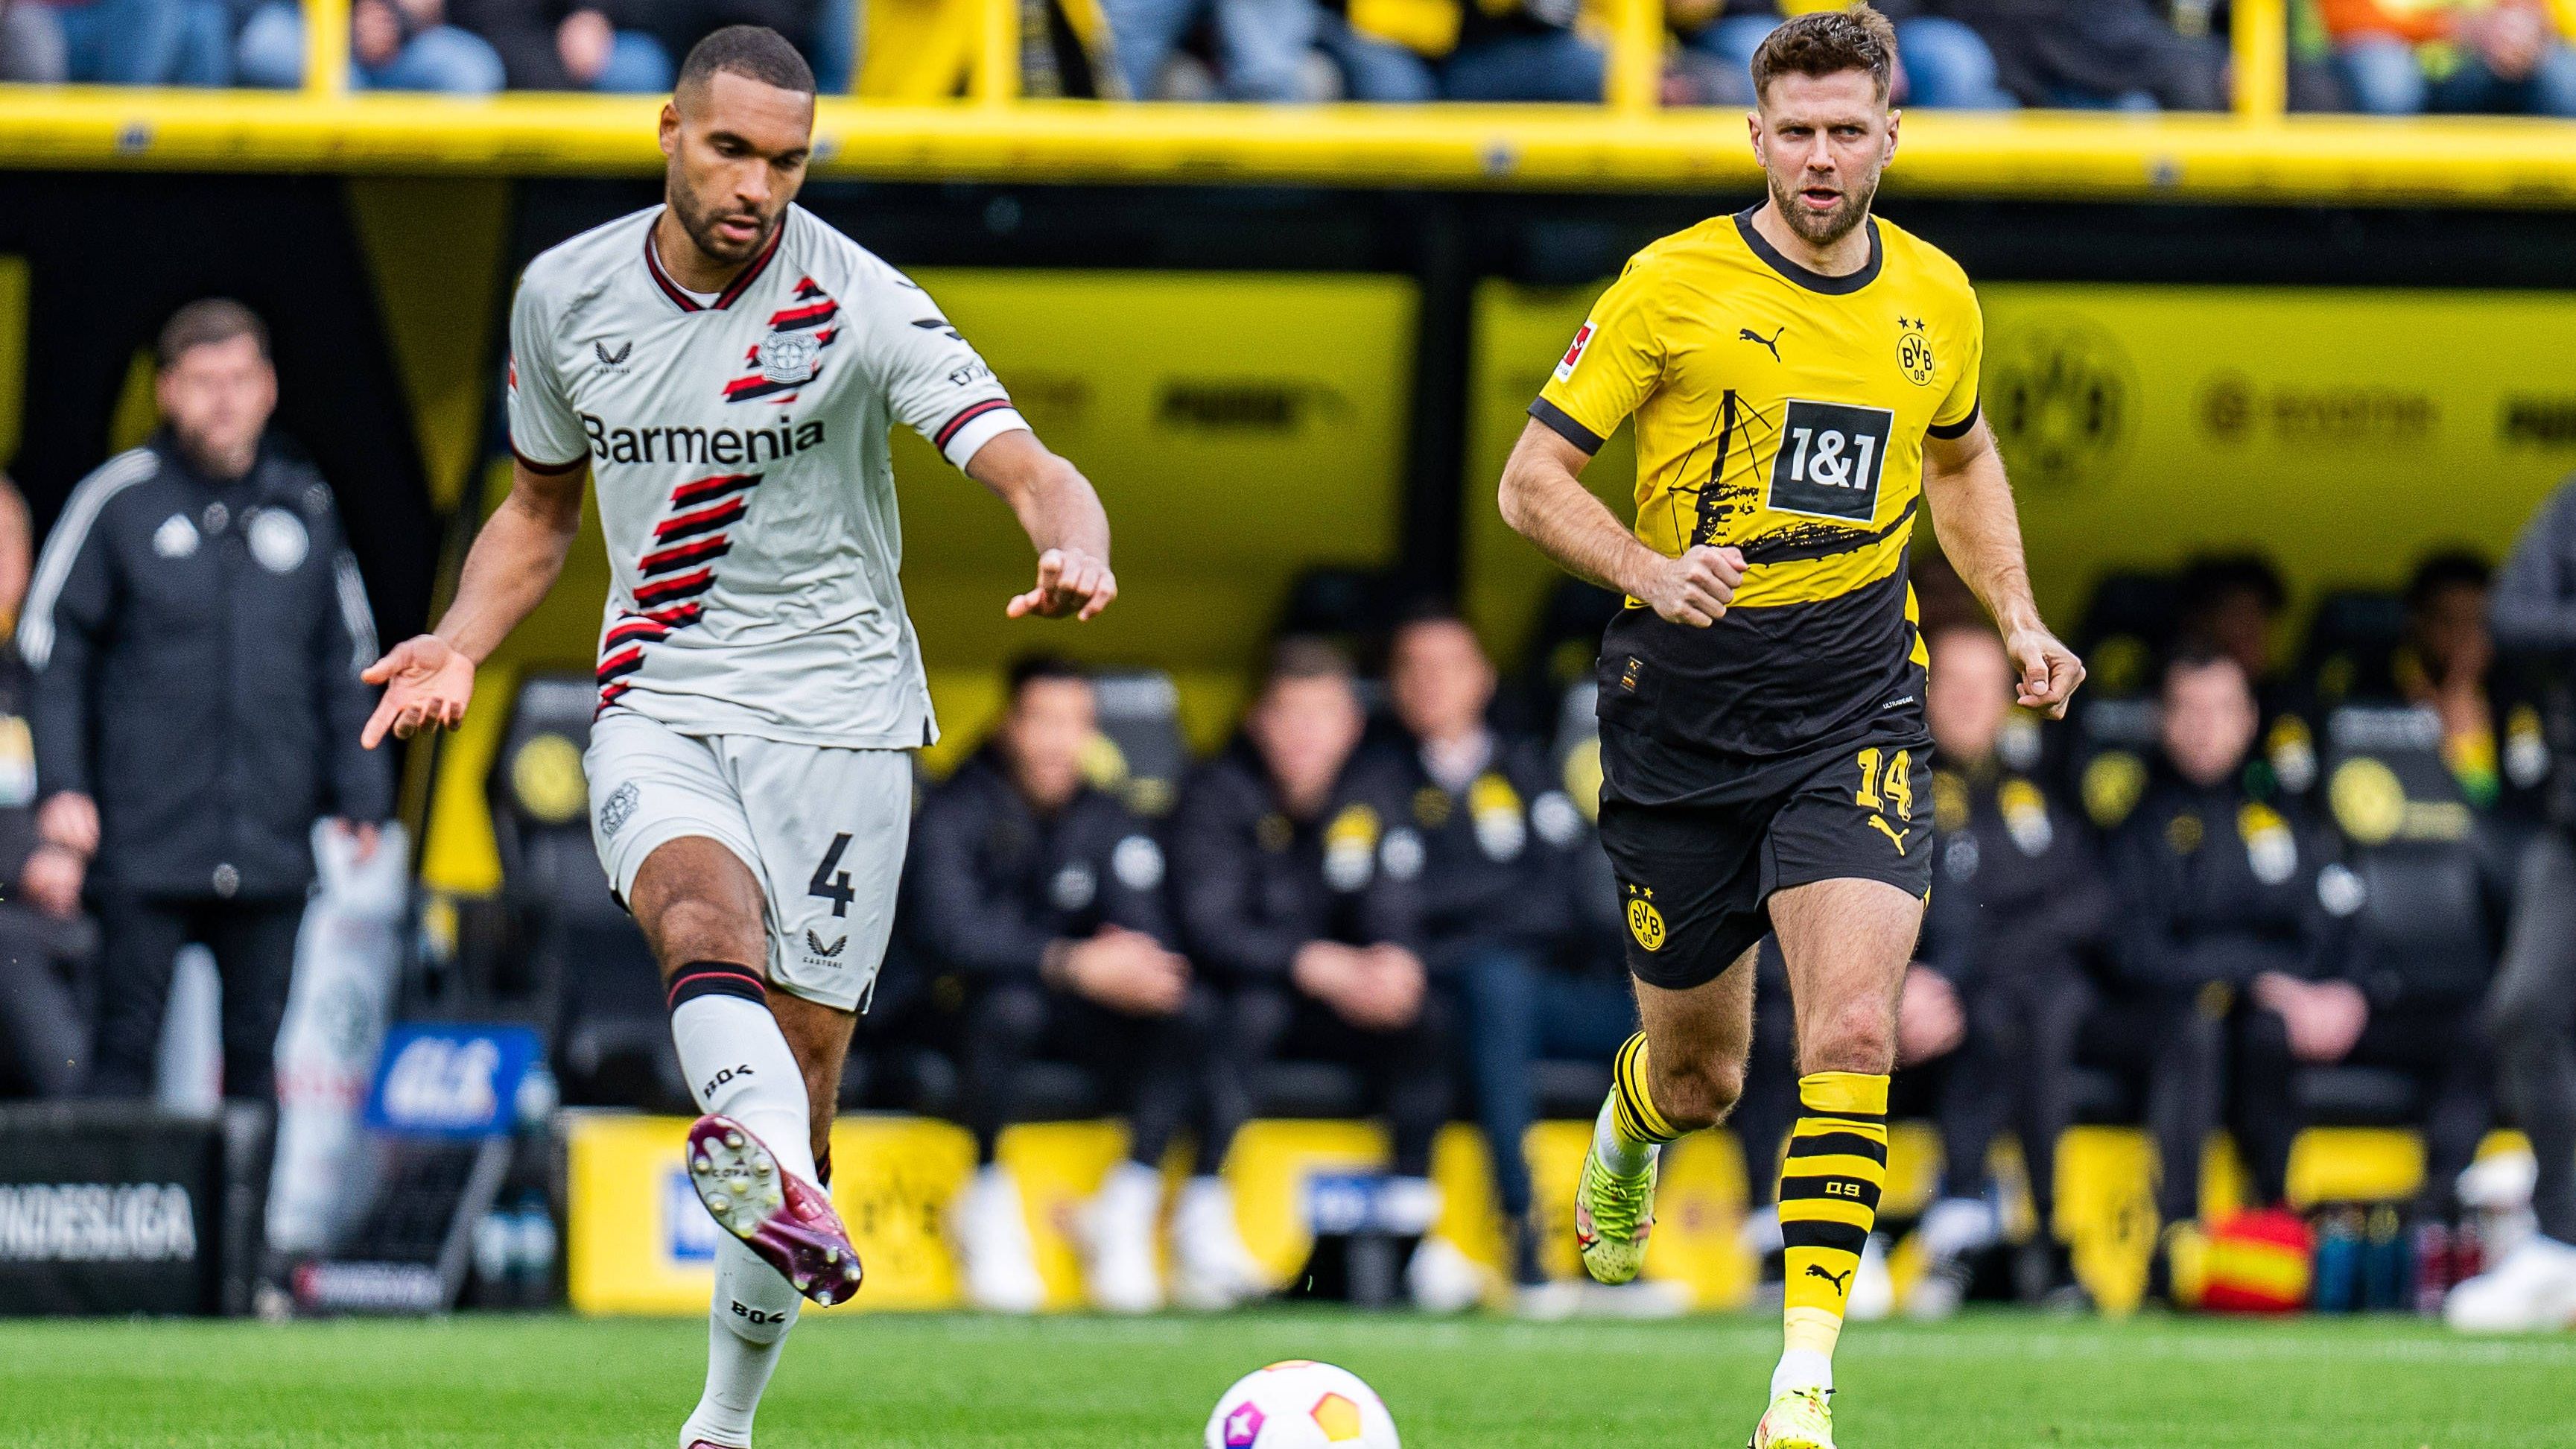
(1574, 354)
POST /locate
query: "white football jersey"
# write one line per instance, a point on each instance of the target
(739, 447)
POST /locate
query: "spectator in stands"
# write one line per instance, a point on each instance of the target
(2404, 57)
(196, 628)
(825, 30)
(2531, 1012)
(116, 42)
(1497, 876)
(560, 45)
(394, 45)
(1514, 50)
(2100, 54)
(44, 942)
(2004, 982)
(2228, 944)
(1941, 61)
(1265, 48)
(1045, 896)
(1298, 888)
(31, 44)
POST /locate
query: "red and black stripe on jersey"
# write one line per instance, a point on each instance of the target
(678, 569)
(965, 415)
(812, 308)
(814, 311)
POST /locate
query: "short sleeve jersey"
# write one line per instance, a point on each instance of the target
(739, 446)
(1783, 412)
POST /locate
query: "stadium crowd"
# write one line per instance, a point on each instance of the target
(2234, 889)
(2387, 57)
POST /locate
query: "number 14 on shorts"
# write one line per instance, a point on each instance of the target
(1893, 790)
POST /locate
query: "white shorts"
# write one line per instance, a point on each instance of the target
(823, 830)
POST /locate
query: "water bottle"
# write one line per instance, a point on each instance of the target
(2436, 1268)
(537, 1242)
(2388, 1268)
(2338, 1288)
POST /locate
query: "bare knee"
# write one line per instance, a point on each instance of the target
(1858, 1035)
(692, 927)
(1694, 1095)
(697, 901)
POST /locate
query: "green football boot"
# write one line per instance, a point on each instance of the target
(1613, 1216)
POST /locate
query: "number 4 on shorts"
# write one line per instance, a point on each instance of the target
(831, 884)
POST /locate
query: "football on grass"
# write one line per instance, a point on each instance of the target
(1300, 1405)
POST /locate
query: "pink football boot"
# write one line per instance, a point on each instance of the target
(784, 1219)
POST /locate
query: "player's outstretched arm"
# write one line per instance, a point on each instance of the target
(1544, 500)
(1980, 532)
(1063, 517)
(517, 557)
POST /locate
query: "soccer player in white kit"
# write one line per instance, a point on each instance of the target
(726, 367)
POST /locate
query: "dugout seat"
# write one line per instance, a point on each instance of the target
(1140, 723)
(603, 994)
(2427, 925)
(2111, 731)
(2352, 647)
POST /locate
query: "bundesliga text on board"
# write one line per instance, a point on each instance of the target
(96, 1222)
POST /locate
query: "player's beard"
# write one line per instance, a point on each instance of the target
(1823, 231)
(699, 221)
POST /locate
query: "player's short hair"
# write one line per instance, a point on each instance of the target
(1428, 609)
(1828, 42)
(1305, 656)
(205, 323)
(2192, 658)
(2451, 568)
(1031, 669)
(754, 52)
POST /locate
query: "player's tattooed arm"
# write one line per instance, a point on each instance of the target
(1544, 500)
(1062, 514)
(1980, 533)
(429, 679)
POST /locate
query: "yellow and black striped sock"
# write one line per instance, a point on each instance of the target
(1632, 1106)
(1829, 1186)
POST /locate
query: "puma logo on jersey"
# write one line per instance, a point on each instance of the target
(815, 943)
(1841, 1280)
(1770, 344)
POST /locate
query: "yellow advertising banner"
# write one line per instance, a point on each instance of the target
(637, 1241)
(1240, 429)
(2346, 432)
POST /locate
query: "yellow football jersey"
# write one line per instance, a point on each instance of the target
(1783, 412)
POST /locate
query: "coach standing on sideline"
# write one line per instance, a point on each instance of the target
(196, 627)
(2531, 1010)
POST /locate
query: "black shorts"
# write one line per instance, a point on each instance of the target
(1696, 879)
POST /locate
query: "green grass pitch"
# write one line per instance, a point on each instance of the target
(1982, 1382)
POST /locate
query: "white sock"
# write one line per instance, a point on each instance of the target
(738, 1064)
(746, 1331)
(1803, 1368)
(1612, 1146)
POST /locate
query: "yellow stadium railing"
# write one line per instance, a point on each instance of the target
(326, 47)
(992, 131)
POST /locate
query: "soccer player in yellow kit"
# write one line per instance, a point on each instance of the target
(1803, 378)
